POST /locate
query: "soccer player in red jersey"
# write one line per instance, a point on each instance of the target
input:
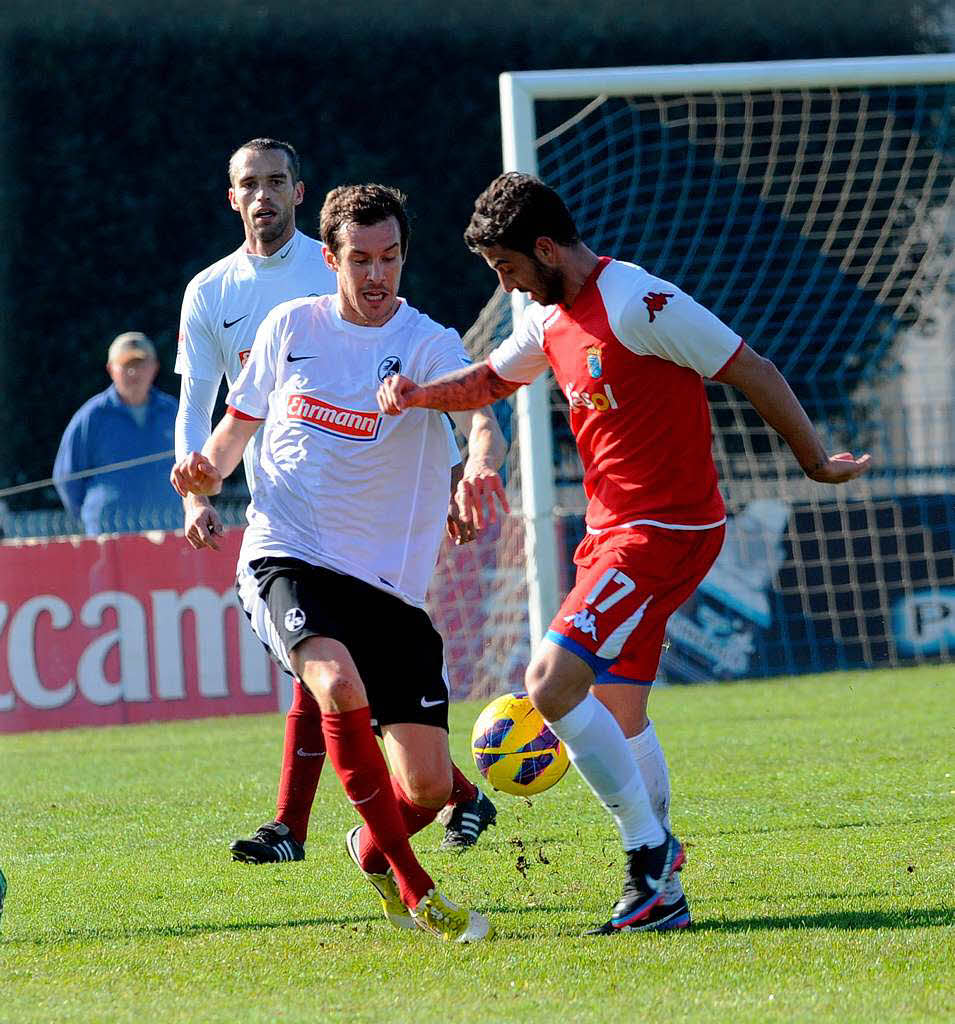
(630, 352)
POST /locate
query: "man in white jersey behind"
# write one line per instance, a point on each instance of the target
(630, 352)
(222, 309)
(344, 529)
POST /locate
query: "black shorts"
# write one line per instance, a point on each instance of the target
(398, 652)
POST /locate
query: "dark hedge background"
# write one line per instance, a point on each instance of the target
(118, 123)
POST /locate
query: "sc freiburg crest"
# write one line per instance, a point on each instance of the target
(388, 367)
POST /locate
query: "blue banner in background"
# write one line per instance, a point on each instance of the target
(802, 588)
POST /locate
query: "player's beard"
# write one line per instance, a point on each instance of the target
(269, 232)
(551, 283)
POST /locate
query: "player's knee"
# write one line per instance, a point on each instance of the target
(428, 789)
(338, 692)
(542, 685)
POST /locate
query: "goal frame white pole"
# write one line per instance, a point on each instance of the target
(518, 92)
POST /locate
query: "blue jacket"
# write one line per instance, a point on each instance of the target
(103, 431)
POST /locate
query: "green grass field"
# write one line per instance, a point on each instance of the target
(819, 817)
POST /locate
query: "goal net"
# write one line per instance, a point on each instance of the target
(811, 206)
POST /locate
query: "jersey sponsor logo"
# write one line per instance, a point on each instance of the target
(231, 323)
(594, 366)
(352, 424)
(243, 356)
(389, 367)
(599, 401)
(294, 619)
(655, 301)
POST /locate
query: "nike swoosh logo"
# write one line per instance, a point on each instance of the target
(231, 323)
(431, 703)
(295, 359)
(309, 753)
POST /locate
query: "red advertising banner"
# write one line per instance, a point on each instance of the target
(128, 628)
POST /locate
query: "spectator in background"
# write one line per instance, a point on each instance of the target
(129, 420)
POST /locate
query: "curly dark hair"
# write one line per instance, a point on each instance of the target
(514, 211)
(261, 145)
(363, 205)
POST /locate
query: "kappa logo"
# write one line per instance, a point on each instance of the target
(294, 619)
(655, 301)
(585, 621)
(351, 424)
(389, 367)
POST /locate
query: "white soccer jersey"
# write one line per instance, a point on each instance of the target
(340, 484)
(224, 305)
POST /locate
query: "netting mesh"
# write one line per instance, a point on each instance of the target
(820, 225)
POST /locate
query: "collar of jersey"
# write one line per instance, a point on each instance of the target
(589, 284)
(357, 331)
(276, 262)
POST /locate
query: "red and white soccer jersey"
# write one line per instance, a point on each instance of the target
(339, 484)
(224, 305)
(630, 354)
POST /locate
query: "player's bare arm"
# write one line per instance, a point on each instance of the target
(480, 483)
(469, 388)
(773, 399)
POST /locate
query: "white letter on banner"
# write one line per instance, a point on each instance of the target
(130, 635)
(208, 610)
(21, 652)
(7, 700)
(253, 658)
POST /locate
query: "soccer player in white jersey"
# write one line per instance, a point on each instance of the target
(344, 529)
(222, 309)
(630, 352)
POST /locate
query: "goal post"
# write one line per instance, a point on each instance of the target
(810, 205)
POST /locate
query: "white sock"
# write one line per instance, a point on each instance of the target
(598, 749)
(656, 778)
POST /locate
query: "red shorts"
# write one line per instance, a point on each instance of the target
(628, 585)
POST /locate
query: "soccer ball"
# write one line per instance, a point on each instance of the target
(513, 748)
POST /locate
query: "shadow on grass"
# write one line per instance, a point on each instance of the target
(352, 923)
(810, 826)
(848, 921)
(845, 920)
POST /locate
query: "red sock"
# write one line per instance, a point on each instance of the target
(302, 761)
(462, 789)
(413, 815)
(359, 763)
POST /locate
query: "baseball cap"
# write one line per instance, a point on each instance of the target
(130, 345)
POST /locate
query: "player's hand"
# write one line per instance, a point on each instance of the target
(195, 474)
(396, 393)
(837, 469)
(476, 493)
(459, 531)
(203, 525)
